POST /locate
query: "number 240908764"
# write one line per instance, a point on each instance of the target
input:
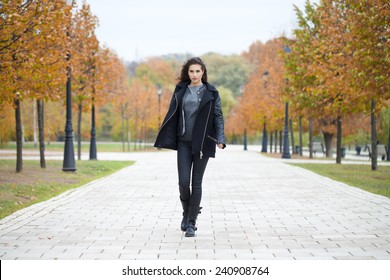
(253, 270)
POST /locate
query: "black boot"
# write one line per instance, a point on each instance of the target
(185, 204)
(190, 230)
(191, 222)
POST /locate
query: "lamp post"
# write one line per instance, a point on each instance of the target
(69, 163)
(286, 142)
(92, 146)
(159, 92)
(264, 143)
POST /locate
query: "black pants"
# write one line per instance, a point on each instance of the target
(186, 162)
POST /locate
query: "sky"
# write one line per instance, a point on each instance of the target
(137, 29)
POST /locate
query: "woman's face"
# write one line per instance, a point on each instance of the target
(195, 73)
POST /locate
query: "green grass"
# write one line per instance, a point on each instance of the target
(101, 147)
(19, 190)
(360, 176)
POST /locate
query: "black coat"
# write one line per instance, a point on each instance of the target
(208, 127)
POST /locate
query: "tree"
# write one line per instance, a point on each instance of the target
(85, 48)
(6, 120)
(47, 81)
(306, 93)
(23, 25)
(262, 99)
(228, 71)
(227, 100)
(339, 59)
(369, 27)
(332, 63)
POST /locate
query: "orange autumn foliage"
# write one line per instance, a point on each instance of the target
(262, 96)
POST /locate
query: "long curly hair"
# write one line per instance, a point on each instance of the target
(184, 70)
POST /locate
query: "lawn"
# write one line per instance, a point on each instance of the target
(360, 176)
(101, 147)
(19, 190)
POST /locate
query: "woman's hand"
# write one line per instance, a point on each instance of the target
(221, 145)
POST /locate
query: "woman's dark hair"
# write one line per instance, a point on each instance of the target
(184, 70)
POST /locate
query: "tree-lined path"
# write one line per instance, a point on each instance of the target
(253, 208)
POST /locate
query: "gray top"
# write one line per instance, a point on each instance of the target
(190, 106)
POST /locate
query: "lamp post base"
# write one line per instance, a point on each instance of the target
(286, 156)
(69, 163)
(69, 169)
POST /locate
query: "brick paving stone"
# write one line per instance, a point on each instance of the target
(254, 208)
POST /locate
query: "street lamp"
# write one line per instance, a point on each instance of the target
(264, 143)
(159, 92)
(286, 142)
(92, 146)
(69, 163)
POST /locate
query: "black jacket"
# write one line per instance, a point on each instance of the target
(208, 127)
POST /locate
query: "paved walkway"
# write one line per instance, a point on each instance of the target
(253, 208)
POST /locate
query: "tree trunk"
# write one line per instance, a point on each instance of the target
(374, 154)
(41, 133)
(339, 139)
(300, 137)
(292, 137)
(128, 134)
(271, 140)
(19, 136)
(35, 123)
(310, 137)
(328, 137)
(79, 115)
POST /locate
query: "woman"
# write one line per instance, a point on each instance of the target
(194, 127)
